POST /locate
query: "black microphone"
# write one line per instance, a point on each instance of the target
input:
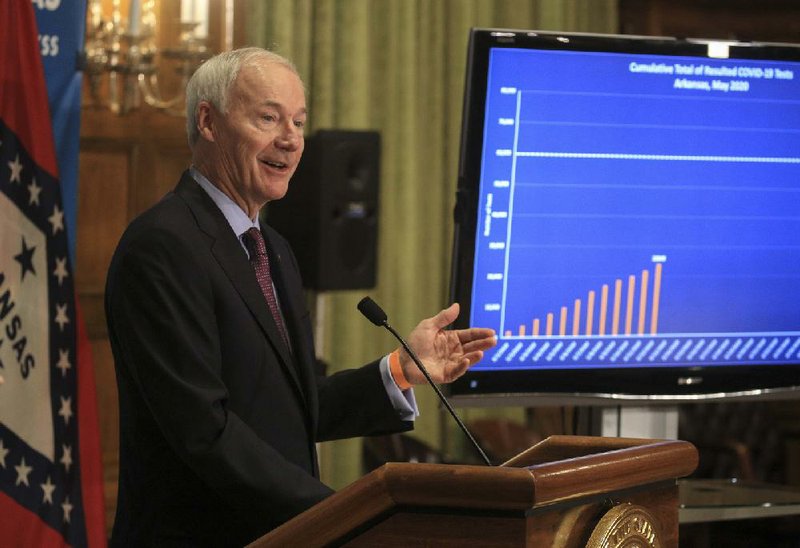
(376, 315)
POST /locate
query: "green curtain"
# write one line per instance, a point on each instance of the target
(397, 66)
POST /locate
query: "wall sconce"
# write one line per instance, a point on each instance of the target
(123, 61)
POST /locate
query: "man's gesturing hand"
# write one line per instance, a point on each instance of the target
(445, 354)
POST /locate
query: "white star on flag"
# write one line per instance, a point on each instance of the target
(63, 362)
(16, 170)
(3, 453)
(34, 191)
(61, 316)
(61, 269)
(66, 457)
(66, 408)
(67, 507)
(48, 487)
(56, 219)
(22, 472)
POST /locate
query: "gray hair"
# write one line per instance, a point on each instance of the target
(212, 81)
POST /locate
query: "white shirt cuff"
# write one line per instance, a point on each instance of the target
(402, 400)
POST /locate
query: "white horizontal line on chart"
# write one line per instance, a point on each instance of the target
(736, 99)
(656, 246)
(627, 187)
(766, 218)
(661, 157)
(557, 123)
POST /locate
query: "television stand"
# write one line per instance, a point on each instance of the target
(653, 422)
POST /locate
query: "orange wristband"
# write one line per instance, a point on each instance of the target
(397, 371)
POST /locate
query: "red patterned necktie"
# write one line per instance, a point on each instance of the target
(260, 261)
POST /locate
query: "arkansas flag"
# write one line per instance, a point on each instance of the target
(50, 476)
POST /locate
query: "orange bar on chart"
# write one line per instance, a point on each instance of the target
(549, 325)
(617, 306)
(576, 318)
(562, 324)
(643, 301)
(508, 332)
(589, 312)
(536, 327)
(601, 329)
(656, 298)
(629, 304)
(522, 330)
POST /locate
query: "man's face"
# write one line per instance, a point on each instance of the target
(259, 140)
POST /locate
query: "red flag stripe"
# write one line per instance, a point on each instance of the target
(23, 94)
(91, 462)
(20, 527)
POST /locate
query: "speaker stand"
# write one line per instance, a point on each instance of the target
(320, 304)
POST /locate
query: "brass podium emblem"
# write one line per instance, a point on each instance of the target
(626, 526)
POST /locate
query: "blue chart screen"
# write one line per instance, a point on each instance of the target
(639, 210)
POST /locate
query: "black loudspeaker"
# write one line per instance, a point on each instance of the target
(330, 212)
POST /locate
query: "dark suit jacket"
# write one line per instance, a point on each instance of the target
(218, 418)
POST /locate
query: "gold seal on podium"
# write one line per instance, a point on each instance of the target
(625, 526)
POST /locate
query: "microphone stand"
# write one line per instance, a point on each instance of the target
(442, 398)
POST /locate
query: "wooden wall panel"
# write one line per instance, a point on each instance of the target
(108, 411)
(747, 20)
(104, 174)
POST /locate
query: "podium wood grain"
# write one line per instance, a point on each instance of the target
(550, 495)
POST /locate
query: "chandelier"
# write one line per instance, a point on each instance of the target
(123, 62)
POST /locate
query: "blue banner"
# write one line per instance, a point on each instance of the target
(61, 27)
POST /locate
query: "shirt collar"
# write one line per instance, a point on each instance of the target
(235, 215)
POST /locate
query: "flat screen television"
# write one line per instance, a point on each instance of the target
(628, 217)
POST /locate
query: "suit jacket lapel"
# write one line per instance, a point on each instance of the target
(232, 259)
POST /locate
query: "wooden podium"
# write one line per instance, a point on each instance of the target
(566, 491)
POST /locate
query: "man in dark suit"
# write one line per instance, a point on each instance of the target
(220, 407)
